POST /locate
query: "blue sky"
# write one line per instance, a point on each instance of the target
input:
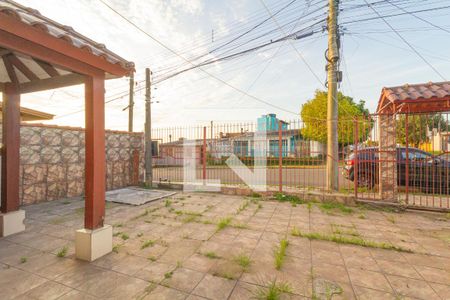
(373, 56)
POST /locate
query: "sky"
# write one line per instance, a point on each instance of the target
(284, 75)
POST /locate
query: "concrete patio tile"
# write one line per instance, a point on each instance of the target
(363, 262)
(165, 293)
(369, 279)
(412, 287)
(330, 272)
(398, 268)
(226, 268)
(183, 279)
(364, 293)
(387, 255)
(442, 290)
(62, 265)
(101, 285)
(428, 261)
(81, 273)
(330, 257)
(213, 287)
(14, 282)
(128, 288)
(244, 291)
(130, 264)
(154, 272)
(76, 295)
(48, 291)
(434, 275)
(179, 251)
(199, 262)
(37, 261)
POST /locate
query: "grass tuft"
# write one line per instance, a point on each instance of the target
(223, 223)
(328, 207)
(294, 200)
(125, 236)
(274, 291)
(280, 253)
(147, 243)
(211, 254)
(354, 240)
(62, 252)
(243, 260)
(23, 260)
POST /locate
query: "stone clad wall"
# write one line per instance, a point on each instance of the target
(52, 161)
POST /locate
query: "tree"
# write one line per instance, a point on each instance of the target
(314, 116)
(418, 127)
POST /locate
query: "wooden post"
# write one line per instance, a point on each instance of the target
(95, 152)
(280, 157)
(11, 149)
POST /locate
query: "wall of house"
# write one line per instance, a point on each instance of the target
(52, 161)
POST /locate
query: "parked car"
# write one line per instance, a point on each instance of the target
(427, 172)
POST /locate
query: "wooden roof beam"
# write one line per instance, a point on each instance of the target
(10, 70)
(22, 68)
(51, 83)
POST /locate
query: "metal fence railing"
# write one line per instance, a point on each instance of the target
(401, 158)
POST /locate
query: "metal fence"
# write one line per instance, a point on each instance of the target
(389, 158)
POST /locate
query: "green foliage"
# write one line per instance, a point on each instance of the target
(328, 207)
(418, 126)
(125, 236)
(274, 291)
(353, 240)
(280, 253)
(211, 254)
(62, 252)
(294, 200)
(147, 244)
(23, 260)
(223, 223)
(314, 115)
(243, 260)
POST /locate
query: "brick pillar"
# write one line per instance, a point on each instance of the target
(387, 158)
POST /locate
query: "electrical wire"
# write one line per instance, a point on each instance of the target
(406, 42)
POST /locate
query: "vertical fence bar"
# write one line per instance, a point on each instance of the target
(280, 156)
(204, 155)
(406, 160)
(356, 161)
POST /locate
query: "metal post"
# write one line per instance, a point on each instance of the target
(355, 161)
(131, 103)
(204, 155)
(407, 158)
(148, 130)
(280, 157)
(332, 109)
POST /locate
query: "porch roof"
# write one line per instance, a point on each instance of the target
(21, 27)
(415, 98)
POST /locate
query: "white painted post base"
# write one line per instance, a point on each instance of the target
(12, 222)
(93, 244)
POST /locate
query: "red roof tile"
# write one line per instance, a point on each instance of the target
(418, 91)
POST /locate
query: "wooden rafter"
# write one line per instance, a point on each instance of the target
(22, 68)
(10, 70)
(48, 68)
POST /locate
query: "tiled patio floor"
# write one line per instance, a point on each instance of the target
(174, 250)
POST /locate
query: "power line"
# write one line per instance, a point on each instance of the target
(407, 43)
(290, 42)
(418, 17)
(182, 57)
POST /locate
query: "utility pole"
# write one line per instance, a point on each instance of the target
(212, 134)
(131, 104)
(148, 130)
(332, 109)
